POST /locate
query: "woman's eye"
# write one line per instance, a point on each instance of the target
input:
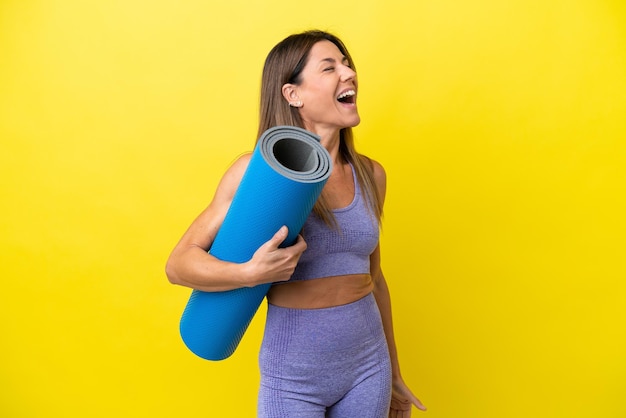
(329, 68)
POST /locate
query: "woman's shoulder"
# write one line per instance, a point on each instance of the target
(378, 176)
(240, 163)
(233, 175)
(375, 167)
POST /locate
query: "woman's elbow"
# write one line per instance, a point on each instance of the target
(171, 271)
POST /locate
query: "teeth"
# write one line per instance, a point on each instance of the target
(347, 93)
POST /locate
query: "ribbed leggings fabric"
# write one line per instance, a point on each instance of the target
(325, 363)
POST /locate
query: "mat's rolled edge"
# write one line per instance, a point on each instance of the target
(290, 163)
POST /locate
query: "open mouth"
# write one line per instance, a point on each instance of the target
(347, 96)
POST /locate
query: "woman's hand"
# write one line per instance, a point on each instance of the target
(402, 400)
(270, 263)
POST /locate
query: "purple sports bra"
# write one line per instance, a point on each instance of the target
(333, 253)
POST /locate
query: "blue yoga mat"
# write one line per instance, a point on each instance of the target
(284, 178)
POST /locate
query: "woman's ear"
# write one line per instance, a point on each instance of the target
(291, 95)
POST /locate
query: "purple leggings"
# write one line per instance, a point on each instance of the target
(330, 362)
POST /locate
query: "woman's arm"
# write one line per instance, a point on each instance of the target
(402, 397)
(192, 266)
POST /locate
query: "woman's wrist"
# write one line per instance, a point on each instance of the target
(245, 275)
(396, 376)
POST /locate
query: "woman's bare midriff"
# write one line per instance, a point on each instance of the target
(321, 293)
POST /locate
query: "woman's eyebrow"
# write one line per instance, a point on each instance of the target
(331, 60)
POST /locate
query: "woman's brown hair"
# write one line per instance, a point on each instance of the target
(284, 65)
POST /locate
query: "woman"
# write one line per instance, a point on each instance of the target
(328, 348)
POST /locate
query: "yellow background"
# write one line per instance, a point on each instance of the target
(501, 126)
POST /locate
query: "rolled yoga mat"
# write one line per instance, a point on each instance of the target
(284, 178)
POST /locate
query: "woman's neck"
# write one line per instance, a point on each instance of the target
(331, 141)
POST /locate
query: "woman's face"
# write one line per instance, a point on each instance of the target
(327, 90)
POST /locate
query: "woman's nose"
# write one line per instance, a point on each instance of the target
(347, 74)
